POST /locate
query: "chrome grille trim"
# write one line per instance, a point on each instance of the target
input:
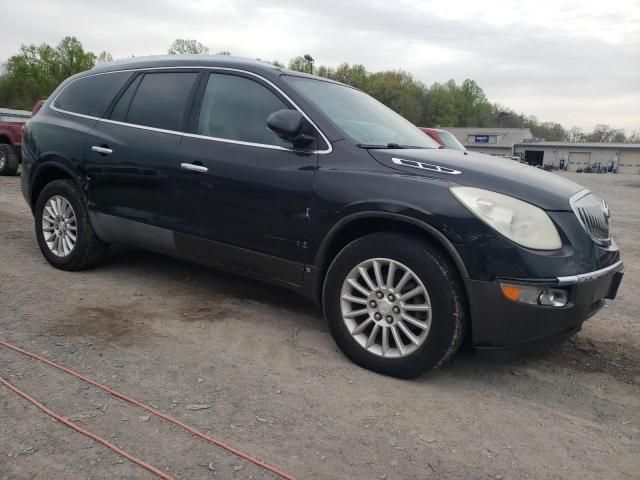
(593, 214)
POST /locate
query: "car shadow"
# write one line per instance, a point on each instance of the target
(139, 262)
(579, 354)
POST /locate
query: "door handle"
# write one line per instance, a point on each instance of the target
(102, 150)
(194, 168)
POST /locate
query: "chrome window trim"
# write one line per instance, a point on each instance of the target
(585, 277)
(249, 144)
(329, 148)
(133, 125)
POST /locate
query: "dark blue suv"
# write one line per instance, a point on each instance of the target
(315, 186)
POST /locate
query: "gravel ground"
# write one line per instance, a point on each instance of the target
(263, 364)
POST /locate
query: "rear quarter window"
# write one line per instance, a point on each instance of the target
(91, 95)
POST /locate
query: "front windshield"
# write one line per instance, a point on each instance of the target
(360, 117)
(450, 141)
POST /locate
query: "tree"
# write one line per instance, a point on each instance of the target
(634, 137)
(501, 116)
(605, 134)
(300, 64)
(399, 91)
(354, 75)
(447, 104)
(104, 57)
(440, 106)
(36, 70)
(546, 130)
(574, 135)
(473, 106)
(184, 46)
(72, 58)
(224, 53)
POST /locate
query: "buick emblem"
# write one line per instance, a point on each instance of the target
(605, 210)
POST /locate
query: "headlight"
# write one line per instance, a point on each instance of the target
(519, 221)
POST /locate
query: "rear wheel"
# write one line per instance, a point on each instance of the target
(64, 232)
(394, 304)
(8, 160)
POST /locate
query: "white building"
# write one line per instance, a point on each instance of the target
(492, 141)
(621, 157)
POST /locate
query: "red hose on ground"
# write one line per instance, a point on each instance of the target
(167, 417)
(86, 433)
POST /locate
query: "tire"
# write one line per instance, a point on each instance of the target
(442, 320)
(8, 160)
(88, 249)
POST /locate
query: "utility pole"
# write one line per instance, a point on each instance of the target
(309, 59)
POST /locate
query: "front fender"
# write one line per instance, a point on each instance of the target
(401, 214)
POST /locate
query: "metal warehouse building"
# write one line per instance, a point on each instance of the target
(623, 157)
(492, 141)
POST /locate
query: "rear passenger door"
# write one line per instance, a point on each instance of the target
(132, 158)
(243, 193)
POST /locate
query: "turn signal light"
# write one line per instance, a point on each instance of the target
(511, 292)
(532, 295)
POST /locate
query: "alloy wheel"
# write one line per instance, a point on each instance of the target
(59, 226)
(386, 307)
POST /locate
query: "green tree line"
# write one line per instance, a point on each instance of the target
(36, 70)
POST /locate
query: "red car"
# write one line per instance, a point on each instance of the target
(444, 138)
(12, 124)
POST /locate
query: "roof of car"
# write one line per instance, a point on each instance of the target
(182, 61)
(199, 60)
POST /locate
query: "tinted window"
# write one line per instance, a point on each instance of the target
(122, 106)
(237, 108)
(91, 95)
(161, 100)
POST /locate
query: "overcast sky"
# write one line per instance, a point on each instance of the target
(572, 61)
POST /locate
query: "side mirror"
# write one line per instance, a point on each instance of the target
(289, 126)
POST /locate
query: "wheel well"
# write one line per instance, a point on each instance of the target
(364, 226)
(4, 139)
(46, 175)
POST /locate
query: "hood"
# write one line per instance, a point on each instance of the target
(503, 175)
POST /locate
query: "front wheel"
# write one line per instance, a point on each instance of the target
(394, 304)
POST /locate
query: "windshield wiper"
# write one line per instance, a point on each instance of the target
(387, 146)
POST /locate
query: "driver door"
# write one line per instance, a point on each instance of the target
(243, 194)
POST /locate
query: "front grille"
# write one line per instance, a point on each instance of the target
(593, 214)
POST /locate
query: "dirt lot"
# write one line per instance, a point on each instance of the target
(261, 360)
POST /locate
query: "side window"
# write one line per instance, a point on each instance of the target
(161, 100)
(91, 95)
(121, 109)
(236, 108)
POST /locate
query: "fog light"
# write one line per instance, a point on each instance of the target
(532, 295)
(553, 297)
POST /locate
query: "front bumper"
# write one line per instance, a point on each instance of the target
(500, 325)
